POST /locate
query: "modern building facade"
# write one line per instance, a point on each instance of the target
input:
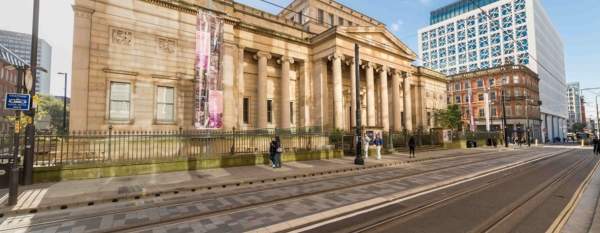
(479, 94)
(471, 35)
(20, 44)
(168, 65)
(575, 104)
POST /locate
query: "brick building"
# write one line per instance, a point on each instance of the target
(8, 83)
(522, 104)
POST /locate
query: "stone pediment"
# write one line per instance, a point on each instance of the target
(378, 36)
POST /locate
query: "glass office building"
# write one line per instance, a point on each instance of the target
(468, 36)
(20, 44)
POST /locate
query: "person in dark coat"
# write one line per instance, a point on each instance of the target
(412, 144)
(275, 152)
(596, 145)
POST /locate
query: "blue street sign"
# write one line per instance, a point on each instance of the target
(16, 101)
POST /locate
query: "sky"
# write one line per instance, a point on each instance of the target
(575, 20)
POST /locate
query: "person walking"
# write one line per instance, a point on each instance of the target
(378, 145)
(366, 143)
(411, 147)
(275, 152)
(595, 144)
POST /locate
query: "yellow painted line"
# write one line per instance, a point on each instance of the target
(566, 213)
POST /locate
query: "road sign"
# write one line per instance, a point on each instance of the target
(17, 101)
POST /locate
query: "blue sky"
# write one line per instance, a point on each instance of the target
(577, 21)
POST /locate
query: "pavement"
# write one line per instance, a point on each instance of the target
(586, 215)
(67, 194)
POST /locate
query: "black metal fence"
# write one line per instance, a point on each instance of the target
(114, 146)
(120, 146)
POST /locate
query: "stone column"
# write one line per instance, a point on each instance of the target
(371, 121)
(240, 86)
(353, 91)
(396, 99)
(229, 110)
(284, 85)
(407, 103)
(261, 89)
(319, 85)
(81, 68)
(338, 99)
(383, 87)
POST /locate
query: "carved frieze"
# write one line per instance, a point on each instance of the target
(121, 36)
(167, 45)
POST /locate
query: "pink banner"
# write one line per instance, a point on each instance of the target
(208, 88)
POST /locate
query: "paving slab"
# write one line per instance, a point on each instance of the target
(80, 191)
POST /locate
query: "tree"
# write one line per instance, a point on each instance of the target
(449, 118)
(50, 111)
(578, 127)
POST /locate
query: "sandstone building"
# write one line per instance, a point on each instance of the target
(135, 66)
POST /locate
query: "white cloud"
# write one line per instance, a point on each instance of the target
(396, 25)
(425, 2)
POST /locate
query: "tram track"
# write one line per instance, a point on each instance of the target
(502, 221)
(187, 202)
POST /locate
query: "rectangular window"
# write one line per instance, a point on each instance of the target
(165, 104)
(331, 20)
(479, 83)
(300, 17)
(292, 112)
(492, 112)
(429, 119)
(341, 21)
(246, 110)
(120, 101)
(493, 96)
(320, 16)
(481, 112)
(491, 82)
(480, 97)
(270, 111)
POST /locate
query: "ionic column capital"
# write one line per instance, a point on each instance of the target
(287, 59)
(261, 54)
(369, 64)
(383, 68)
(336, 55)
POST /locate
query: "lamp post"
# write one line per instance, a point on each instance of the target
(64, 104)
(30, 131)
(504, 120)
(358, 160)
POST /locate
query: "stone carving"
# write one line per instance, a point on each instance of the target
(121, 36)
(167, 45)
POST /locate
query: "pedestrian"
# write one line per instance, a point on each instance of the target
(275, 152)
(378, 145)
(366, 143)
(596, 145)
(411, 147)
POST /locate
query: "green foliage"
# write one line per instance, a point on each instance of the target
(578, 127)
(449, 118)
(51, 108)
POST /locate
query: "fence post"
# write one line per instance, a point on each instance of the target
(109, 141)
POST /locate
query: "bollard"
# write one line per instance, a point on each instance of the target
(536, 142)
(582, 143)
(13, 189)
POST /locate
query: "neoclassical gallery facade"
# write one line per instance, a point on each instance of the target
(200, 64)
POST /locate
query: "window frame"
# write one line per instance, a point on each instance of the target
(156, 104)
(109, 116)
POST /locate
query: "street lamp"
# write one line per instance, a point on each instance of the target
(358, 160)
(64, 103)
